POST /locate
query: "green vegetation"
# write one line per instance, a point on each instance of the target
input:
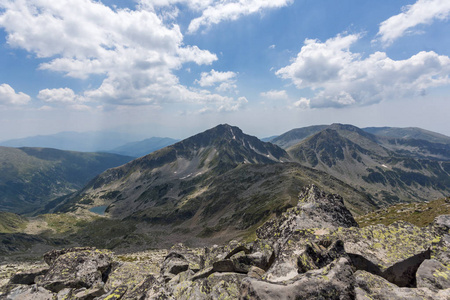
(419, 214)
(32, 177)
(10, 223)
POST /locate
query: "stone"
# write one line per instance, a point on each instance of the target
(116, 294)
(29, 292)
(27, 278)
(256, 272)
(315, 209)
(394, 252)
(433, 275)
(174, 263)
(77, 269)
(370, 286)
(332, 282)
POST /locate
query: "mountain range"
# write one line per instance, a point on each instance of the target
(222, 184)
(31, 177)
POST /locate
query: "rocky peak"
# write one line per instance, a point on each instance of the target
(315, 209)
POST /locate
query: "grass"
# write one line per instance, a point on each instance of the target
(11, 223)
(419, 214)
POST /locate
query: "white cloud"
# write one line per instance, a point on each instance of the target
(8, 96)
(422, 12)
(63, 95)
(214, 77)
(133, 49)
(303, 103)
(274, 94)
(341, 78)
(232, 10)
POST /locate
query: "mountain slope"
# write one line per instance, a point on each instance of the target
(31, 177)
(74, 141)
(144, 147)
(409, 133)
(378, 166)
(213, 185)
(294, 136)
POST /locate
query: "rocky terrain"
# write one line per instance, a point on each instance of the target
(313, 250)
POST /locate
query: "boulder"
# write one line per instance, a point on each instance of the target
(127, 273)
(394, 252)
(433, 275)
(80, 268)
(29, 292)
(335, 281)
(370, 286)
(28, 277)
(173, 264)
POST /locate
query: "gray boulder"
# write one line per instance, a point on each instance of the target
(335, 281)
(370, 286)
(80, 268)
(433, 275)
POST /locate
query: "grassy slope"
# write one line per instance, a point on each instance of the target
(30, 177)
(419, 214)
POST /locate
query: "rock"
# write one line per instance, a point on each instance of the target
(316, 256)
(27, 278)
(77, 269)
(370, 286)
(29, 292)
(115, 294)
(142, 288)
(332, 282)
(256, 272)
(52, 255)
(203, 273)
(225, 265)
(127, 273)
(88, 294)
(433, 275)
(315, 209)
(443, 222)
(394, 252)
(215, 286)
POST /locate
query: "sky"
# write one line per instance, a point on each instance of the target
(178, 67)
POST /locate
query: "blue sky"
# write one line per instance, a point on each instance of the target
(177, 67)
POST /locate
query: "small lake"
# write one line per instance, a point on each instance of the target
(99, 210)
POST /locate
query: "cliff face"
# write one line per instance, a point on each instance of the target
(314, 250)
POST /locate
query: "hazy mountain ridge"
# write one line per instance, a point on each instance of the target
(31, 177)
(144, 147)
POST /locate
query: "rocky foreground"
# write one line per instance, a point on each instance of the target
(312, 251)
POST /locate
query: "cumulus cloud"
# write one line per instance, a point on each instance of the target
(303, 103)
(274, 94)
(134, 50)
(342, 78)
(213, 77)
(232, 10)
(8, 96)
(63, 95)
(422, 12)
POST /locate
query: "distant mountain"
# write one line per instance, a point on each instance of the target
(294, 136)
(409, 133)
(75, 141)
(389, 170)
(31, 177)
(215, 184)
(141, 148)
(268, 139)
